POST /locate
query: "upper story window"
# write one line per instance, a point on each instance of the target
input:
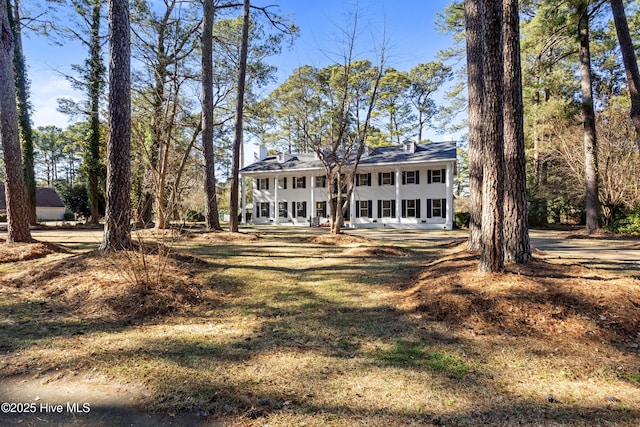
(282, 183)
(410, 177)
(321, 181)
(263, 183)
(386, 178)
(363, 179)
(436, 176)
(300, 182)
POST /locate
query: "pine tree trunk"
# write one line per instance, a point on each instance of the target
(491, 252)
(590, 140)
(17, 215)
(517, 247)
(24, 114)
(630, 63)
(211, 205)
(473, 27)
(117, 228)
(238, 140)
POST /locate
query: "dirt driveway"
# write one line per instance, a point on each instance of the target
(621, 255)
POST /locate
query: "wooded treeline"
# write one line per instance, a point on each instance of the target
(569, 110)
(580, 107)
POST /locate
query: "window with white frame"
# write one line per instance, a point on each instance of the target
(301, 209)
(410, 177)
(321, 209)
(386, 178)
(386, 208)
(411, 208)
(282, 210)
(436, 208)
(264, 210)
(321, 181)
(363, 179)
(363, 208)
(436, 176)
(300, 182)
(263, 183)
(282, 183)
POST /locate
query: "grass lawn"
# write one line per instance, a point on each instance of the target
(289, 328)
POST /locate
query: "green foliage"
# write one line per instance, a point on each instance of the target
(75, 198)
(3, 217)
(192, 215)
(394, 110)
(627, 222)
(462, 219)
(537, 210)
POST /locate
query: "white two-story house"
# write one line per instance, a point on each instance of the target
(405, 186)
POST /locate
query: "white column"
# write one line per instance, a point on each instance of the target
(312, 199)
(449, 180)
(398, 201)
(243, 199)
(276, 209)
(352, 205)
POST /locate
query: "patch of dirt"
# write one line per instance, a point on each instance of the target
(68, 226)
(540, 299)
(85, 400)
(221, 236)
(336, 239)
(13, 252)
(379, 251)
(125, 284)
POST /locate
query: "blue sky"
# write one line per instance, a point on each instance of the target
(406, 25)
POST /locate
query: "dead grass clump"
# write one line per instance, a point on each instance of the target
(13, 252)
(539, 299)
(379, 251)
(221, 236)
(337, 239)
(122, 284)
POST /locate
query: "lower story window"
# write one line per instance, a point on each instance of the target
(411, 208)
(436, 208)
(301, 209)
(363, 208)
(264, 209)
(386, 208)
(321, 209)
(282, 210)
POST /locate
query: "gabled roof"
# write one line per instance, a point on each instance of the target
(46, 197)
(430, 152)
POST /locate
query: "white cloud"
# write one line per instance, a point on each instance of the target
(45, 91)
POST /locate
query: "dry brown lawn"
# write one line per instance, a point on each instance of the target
(291, 329)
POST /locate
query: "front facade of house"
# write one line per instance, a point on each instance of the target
(406, 186)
